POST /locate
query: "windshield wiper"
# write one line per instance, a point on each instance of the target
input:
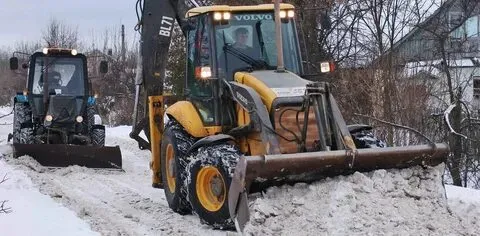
(256, 64)
(260, 38)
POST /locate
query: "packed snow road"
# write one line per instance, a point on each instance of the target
(114, 202)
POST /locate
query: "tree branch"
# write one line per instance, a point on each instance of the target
(4, 209)
(396, 125)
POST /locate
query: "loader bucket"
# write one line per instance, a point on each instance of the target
(63, 155)
(271, 170)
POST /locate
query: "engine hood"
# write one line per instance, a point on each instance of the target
(64, 109)
(271, 85)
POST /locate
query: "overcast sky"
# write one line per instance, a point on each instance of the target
(26, 19)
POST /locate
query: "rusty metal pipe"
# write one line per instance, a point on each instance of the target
(336, 162)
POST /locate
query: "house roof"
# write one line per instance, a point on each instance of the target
(427, 21)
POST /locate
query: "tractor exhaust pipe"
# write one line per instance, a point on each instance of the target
(278, 37)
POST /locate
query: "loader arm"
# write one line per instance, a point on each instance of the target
(155, 24)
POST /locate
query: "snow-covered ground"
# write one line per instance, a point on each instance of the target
(81, 201)
(33, 213)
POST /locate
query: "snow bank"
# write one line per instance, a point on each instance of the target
(32, 212)
(404, 202)
(465, 202)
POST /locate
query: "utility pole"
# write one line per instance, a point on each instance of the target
(123, 44)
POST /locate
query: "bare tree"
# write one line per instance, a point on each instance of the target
(444, 32)
(12, 82)
(115, 89)
(175, 79)
(58, 34)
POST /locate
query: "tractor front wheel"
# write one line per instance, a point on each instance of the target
(211, 172)
(22, 114)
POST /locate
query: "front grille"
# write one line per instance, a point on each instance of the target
(287, 116)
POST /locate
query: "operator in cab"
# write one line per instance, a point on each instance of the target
(241, 36)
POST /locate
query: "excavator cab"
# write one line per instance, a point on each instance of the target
(247, 123)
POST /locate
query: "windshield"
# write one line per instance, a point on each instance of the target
(64, 75)
(253, 35)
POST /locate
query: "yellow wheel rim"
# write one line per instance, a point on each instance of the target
(210, 187)
(170, 167)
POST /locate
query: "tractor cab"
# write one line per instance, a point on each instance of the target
(58, 72)
(226, 39)
(56, 115)
(57, 85)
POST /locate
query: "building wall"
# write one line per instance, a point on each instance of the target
(420, 50)
(423, 43)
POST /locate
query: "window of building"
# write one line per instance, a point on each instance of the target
(476, 87)
(469, 28)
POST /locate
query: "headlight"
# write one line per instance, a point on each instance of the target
(217, 16)
(283, 14)
(227, 15)
(203, 72)
(222, 16)
(45, 51)
(79, 119)
(290, 13)
(49, 118)
(74, 52)
(206, 73)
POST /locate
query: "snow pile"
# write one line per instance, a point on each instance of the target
(465, 202)
(408, 201)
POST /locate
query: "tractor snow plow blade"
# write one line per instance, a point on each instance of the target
(63, 155)
(272, 170)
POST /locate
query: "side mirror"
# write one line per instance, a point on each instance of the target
(103, 67)
(13, 63)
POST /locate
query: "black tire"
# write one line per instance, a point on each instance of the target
(217, 157)
(22, 114)
(98, 135)
(175, 144)
(91, 111)
(366, 139)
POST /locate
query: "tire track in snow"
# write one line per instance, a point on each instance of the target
(114, 202)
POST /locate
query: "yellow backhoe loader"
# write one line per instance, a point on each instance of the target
(248, 120)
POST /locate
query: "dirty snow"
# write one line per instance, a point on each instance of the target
(403, 202)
